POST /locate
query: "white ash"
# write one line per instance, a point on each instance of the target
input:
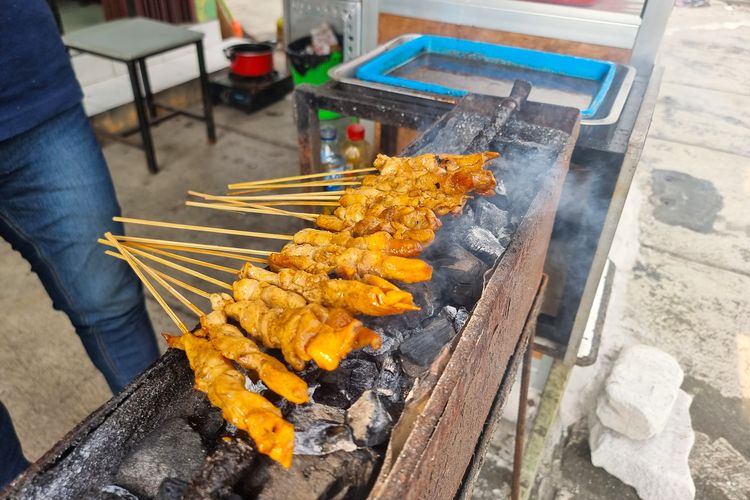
(369, 420)
(256, 387)
(483, 244)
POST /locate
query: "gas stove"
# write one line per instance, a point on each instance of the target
(247, 93)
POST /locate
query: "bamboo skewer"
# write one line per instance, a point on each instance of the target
(240, 209)
(181, 268)
(242, 185)
(340, 180)
(166, 276)
(200, 251)
(183, 300)
(147, 283)
(205, 229)
(185, 258)
(192, 246)
(294, 203)
(317, 195)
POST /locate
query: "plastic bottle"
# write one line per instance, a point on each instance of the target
(330, 160)
(356, 150)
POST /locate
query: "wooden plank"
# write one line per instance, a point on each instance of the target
(390, 26)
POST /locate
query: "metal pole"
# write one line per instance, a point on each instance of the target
(523, 398)
(143, 123)
(208, 111)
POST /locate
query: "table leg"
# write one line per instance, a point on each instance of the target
(208, 111)
(147, 88)
(143, 122)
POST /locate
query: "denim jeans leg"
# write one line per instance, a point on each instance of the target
(56, 199)
(12, 461)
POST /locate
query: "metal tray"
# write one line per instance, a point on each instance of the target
(608, 111)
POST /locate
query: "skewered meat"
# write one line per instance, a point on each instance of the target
(271, 295)
(310, 332)
(225, 387)
(381, 241)
(350, 262)
(233, 344)
(373, 296)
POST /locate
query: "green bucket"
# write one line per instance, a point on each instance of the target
(312, 68)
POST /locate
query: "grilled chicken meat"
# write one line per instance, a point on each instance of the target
(233, 344)
(380, 241)
(373, 296)
(225, 387)
(310, 332)
(349, 262)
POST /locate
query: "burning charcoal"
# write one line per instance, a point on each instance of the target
(221, 470)
(491, 218)
(391, 338)
(391, 381)
(428, 296)
(484, 245)
(345, 384)
(424, 345)
(173, 450)
(171, 489)
(320, 430)
(114, 492)
(338, 475)
(462, 316)
(369, 420)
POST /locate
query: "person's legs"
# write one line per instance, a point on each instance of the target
(56, 199)
(12, 461)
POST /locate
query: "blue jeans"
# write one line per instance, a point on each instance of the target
(56, 199)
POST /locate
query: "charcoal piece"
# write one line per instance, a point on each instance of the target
(342, 386)
(428, 296)
(391, 338)
(114, 492)
(423, 346)
(391, 383)
(221, 470)
(460, 319)
(171, 489)
(323, 438)
(369, 420)
(492, 218)
(338, 475)
(172, 450)
(460, 276)
(484, 245)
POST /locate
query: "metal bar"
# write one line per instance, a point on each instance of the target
(147, 88)
(208, 111)
(178, 111)
(523, 398)
(647, 42)
(143, 122)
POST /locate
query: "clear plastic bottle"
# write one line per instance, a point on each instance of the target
(330, 160)
(356, 151)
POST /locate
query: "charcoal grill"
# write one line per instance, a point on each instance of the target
(436, 443)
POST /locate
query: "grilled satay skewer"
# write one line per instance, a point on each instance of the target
(373, 296)
(302, 333)
(225, 387)
(380, 241)
(349, 262)
(233, 344)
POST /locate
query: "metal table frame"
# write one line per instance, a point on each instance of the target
(146, 106)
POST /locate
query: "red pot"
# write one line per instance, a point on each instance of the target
(250, 59)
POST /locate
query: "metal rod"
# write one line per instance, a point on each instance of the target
(143, 122)
(521, 418)
(208, 111)
(147, 89)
